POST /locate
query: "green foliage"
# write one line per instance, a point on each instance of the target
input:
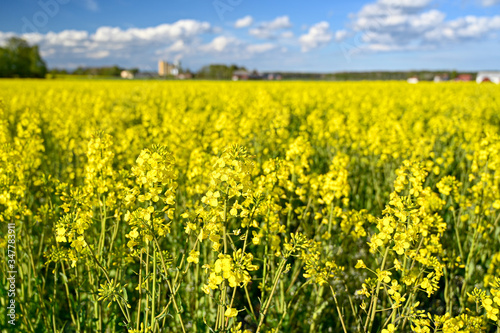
(101, 71)
(19, 59)
(218, 72)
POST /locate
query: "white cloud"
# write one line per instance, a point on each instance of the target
(98, 54)
(261, 33)
(184, 39)
(244, 22)
(182, 29)
(220, 44)
(178, 46)
(47, 52)
(110, 43)
(388, 25)
(488, 3)
(281, 22)
(406, 3)
(318, 35)
(340, 35)
(392, 7)
(267, 30)
(260, 48)
(67, 38)
(234, 48)
(469, 27)
(4, 36)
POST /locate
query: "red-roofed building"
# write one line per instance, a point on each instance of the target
(464, 78)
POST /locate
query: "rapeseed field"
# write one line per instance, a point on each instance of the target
(149, 206)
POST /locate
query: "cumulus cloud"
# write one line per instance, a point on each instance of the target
(220, 44)
(261, 48)
(4, 36)
(232, 47)
(469, 27)
(340, 35)
(178, 46)
(244, 22)
(182, 29)
(389, 25)
(118, 45)
(268, 30)
(98, 54)
(318, 35)
(489, 3)
(184, 39)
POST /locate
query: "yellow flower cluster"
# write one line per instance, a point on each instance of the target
(233, 269)
(154, 190)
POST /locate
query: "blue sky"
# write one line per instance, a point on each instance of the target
(320, 36)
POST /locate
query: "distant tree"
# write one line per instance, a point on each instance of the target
(4, 62)
(110, 71)
(55, 71)
(19, 59)
(100, 71)
(218, 71)
(79, 71)
(38, 68)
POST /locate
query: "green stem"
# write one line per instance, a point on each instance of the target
(268, 302)
(138, 319)
(375, 297)
(290, 303)
(153, 295)
(338, 309)
(172, 290)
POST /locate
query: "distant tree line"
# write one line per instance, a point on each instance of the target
(19, 59)
(94, 71)
(225, 72)
(218, 71)
(371, 76)
(209, 72)
(392, 75)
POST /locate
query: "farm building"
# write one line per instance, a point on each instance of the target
(166, 68)
(127, 75)
(488, 77)
(413, 80)
(240, 75)
(441, 78)
(463, 78)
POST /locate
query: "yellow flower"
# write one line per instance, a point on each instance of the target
(360, 264)
(224, 264)
(194, 257)
(231, 312)
(134, 233)
(60, 236)
(211, 198)
(206, 289)
(256, 239)
(214, 280)
(397, 264)
(384, 276)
